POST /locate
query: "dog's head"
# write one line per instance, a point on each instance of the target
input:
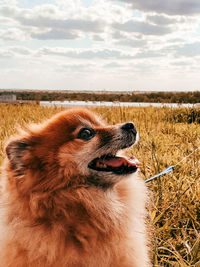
(72, 148)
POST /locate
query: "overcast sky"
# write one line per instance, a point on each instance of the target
(100, 45)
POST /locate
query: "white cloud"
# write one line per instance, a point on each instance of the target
(85, 54)
(142, 27)
(108, 44)
(5, 54)
(48, 22)
(41, 21)
(15, 52)
(55, 34)
(162, 20)
(134, 43)
(189, 50)
(20, 50)
(13, 34)
(170, 7)
(113, 65)
(8, 2)
(77, 68)
(149, 54)
(97, 38)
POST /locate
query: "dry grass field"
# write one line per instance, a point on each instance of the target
(174, 211)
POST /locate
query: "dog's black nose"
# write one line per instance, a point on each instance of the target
(129, 126)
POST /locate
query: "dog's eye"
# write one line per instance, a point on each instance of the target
(86, 134)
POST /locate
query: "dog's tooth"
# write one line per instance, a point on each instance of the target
(98, 164)
(101, 164)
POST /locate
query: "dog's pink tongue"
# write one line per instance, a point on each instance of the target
(114, 162)
(119, 161)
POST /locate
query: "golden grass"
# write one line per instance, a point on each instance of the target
(175, 208)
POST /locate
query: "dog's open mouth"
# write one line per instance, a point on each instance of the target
(117, 165)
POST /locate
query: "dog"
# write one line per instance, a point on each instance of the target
(68, 197)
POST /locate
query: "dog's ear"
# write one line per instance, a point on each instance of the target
(15, 151)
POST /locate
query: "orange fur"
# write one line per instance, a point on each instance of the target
(55, 212)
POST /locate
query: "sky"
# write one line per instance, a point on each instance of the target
(125, 45)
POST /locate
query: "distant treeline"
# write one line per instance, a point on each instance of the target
(153, 97)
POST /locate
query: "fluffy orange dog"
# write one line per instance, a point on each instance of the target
(68, 200)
